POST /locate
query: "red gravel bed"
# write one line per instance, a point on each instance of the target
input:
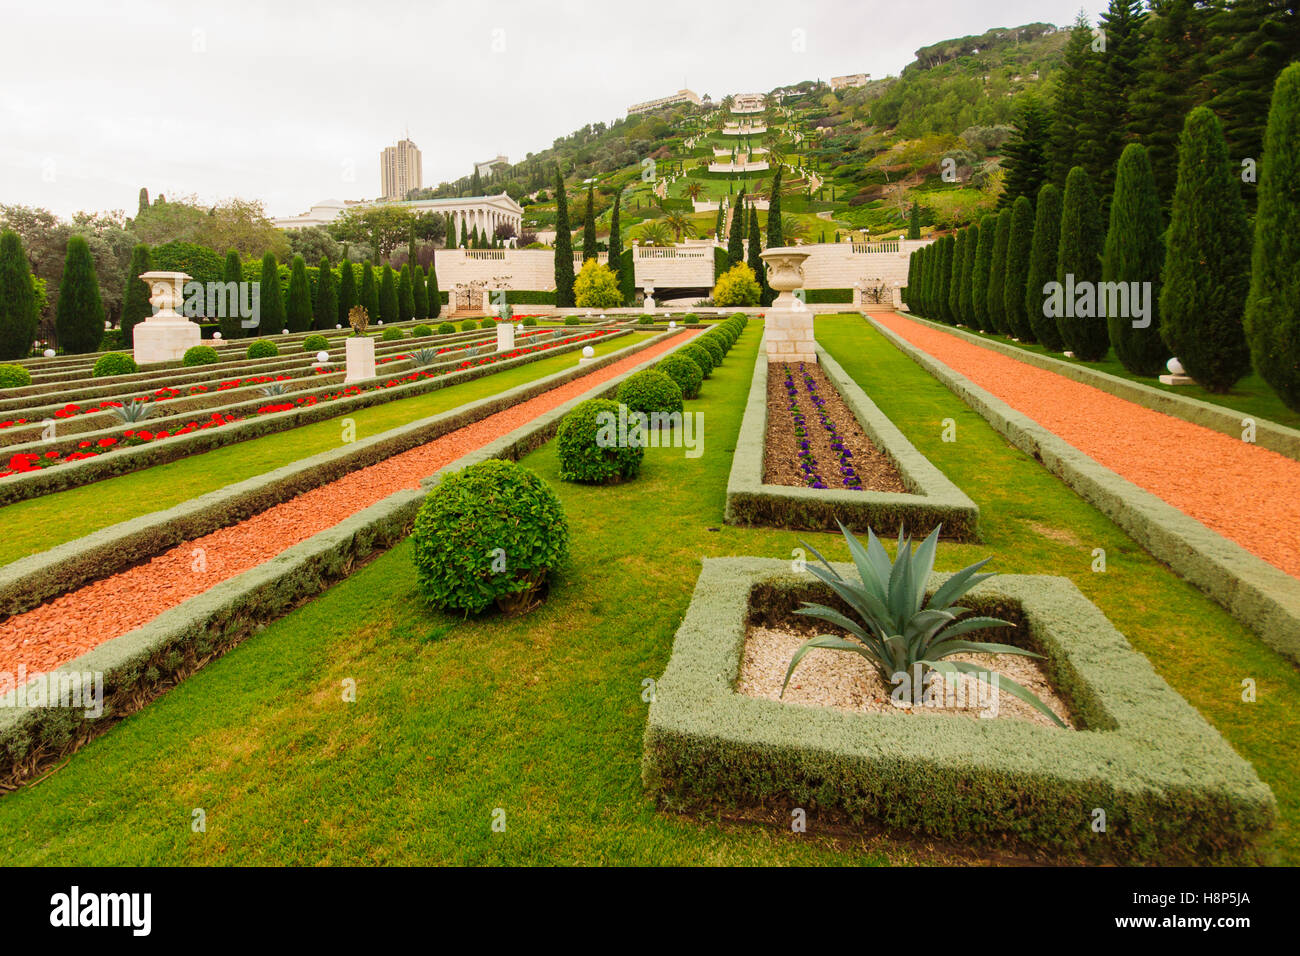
(1246, 493)
(60, 630)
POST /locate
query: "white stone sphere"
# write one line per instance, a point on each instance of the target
(1175, 367)
(217, 336)
(284, 331)
(380, 322)
(588, 351)
(672, 325)
(50, 353)
(322, 357)
(337, 325)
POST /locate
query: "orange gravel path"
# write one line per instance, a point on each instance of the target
(61, 629)
(1246, 493)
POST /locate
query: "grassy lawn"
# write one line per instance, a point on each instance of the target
(542, 716)
(1251, 396)
(38, 524)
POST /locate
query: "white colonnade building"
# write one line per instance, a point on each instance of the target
(483, 212)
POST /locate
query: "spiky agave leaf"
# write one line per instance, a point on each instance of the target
(133, 410)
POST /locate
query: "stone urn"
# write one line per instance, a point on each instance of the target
(788, 326)
(166, 335)
(785, 273)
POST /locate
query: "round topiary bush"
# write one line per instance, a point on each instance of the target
(392, 335)
(700, 356)
(262, 349)
(420, 331)
(690, 318)
(573, 320)
(714, 347)
(469, 325)
(200, 355)
(589, 446)
(489, 533)
(651, 390)
(114, 363)
(645, 320)
(722, 337)
(684, 372)
(446, 328)
(315, 343)
(487, 324)
(14, 376)
(530, 320)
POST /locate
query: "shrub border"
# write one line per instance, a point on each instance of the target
(1257, 594)
(1182, 794)
(936, 500)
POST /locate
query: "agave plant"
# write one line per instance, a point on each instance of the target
(424, 356)
(897, 629)
(271, 391)
(133, 410)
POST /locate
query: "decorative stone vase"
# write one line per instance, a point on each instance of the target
(788, 326)
(166, 335)
(359, 352)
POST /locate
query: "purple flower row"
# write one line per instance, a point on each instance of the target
(848, 475)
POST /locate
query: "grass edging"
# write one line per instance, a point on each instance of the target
(936, 500)
(1261, 596)
(1182, 793)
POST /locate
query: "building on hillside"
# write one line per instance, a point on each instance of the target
(681, 96)
(853, 79)
(485, 213)
(485, 168)
(399, 169)
(747, 103)
(320, 214)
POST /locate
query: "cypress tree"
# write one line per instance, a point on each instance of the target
(405, 294)
(420, 292)
(298, 317)
(1025, 155)
(464, 235)
(953, 311)
(921, 305)
(142, 204)
(979, 285)
(589, 227)
(1042, 266)
(388, 301)
(755, 258)
(1019, 246)
(909, 292)
(79, 317)
(1134, 254)
(914, 222)
(998, 275)
(347, 291)
(232, 326)
(435, 297)
(615, 233)
(1273, 306)
(18, 319)
(1207, 260)
(736, 240)
(271, 297)
(326, 310)
(931, 278)
(369, 297)
(1079, 255)
(717, 228)
(965, 310)
(135, 296)
(451, 231)
(943, 286)
(775, 232)
(563, 248)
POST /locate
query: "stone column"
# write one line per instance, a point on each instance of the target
(789, 322)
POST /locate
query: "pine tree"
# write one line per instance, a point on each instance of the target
(143, 202)
(1071, 109)
(405, 295)
(326, 307)
(736, 240)
(1042, 266)
(1025, 155)
(954, 286)
(979, 286)
(914, 222)
(1134, 254)
(563, 248)
(388, 302)
(420, 292)
(1207, 260)
(298, 316)
(775, 231)
(79, 317)
(1273, 308)
(232, 325)
(589, 227)
(135, 296)
(965, 310)
(1103, 135)
(347, 291)
(435, 297)
(369, 298)
(1019, 245)
(755, 258)
(996, 305)
(270, 298)
(18, 319)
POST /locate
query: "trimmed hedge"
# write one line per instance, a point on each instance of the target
(200, 355)
(651, 391)
(585, 454)
(684, 372)
(14, 376)
(446, 328)
(421, 331)
(828, 296)
(262, 349)
(315, 343)
(700, 356)
(1173, 790)
(392, 335)
(114, 363)
(529, 297)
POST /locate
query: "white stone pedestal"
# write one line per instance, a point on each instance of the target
(360, 354)
(166, 335)
(788, 326)
(1177, 380)
(505, 336)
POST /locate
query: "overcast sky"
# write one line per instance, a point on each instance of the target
(291, 102)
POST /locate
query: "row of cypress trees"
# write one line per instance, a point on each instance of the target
(79, 315)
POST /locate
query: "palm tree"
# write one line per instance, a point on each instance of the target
(792, 228)
(693, 190)
(679, 224)
(654, 233)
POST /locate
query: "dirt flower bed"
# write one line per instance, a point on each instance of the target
(813, 440)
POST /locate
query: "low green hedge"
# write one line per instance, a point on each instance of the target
(828, 296)
(14, 376)
(529, 297)
(1171, 788)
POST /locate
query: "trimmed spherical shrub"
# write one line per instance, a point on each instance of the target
(469, 325)
(530, 321)
(488, 534)
(589, 444)
(651, 390)
(262, 349)
(684, 372)
(420, 331)
(690, 318)
(573, 320)
(446, 328)
(724, 335)
(645, 320)
(315, 343)
(700, 356)
(392, 335)
(14, 376)
(714, 347)
(114, 363)
(200, 355)
(487, 323)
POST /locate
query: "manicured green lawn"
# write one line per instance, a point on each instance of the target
(38, 524)
(542, 716)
